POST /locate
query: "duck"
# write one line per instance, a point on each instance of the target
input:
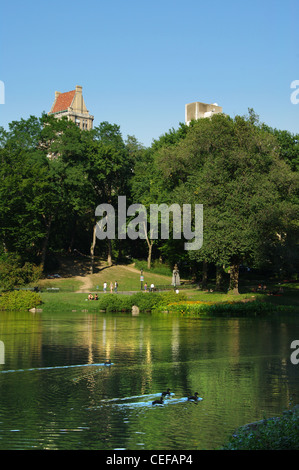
(166, 393)
(108, 362)
(158, 402)
(194, 397)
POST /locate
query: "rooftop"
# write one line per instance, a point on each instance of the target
(63, 101)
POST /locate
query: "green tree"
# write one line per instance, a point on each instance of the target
(24, 199)
(44, 184)
(233, 168)
(14, 273)
(109, 167)
(148, 187)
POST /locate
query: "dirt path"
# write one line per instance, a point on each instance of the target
(130, 268)
(87, 281)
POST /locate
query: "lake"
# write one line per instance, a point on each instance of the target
(56, 392)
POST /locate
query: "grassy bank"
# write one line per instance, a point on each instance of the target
(128, 278)
(107, 302)
(69, 291)
(279, 433)
(170, 302)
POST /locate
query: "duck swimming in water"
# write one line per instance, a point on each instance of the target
(108, 362)
(166, 393)
(158, 402)
(194, 397)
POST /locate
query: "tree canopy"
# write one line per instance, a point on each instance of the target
(244, 173)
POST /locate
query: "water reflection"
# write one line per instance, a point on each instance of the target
(56, 392)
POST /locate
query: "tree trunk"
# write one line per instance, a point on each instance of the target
(234, 278)
(219, 277)
(150, 248)
(109, 257)
(149, 257)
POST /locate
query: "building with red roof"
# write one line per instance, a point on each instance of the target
(71, 104)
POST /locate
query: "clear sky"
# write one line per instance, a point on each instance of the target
(140, 62)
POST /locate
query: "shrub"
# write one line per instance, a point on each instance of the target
(272, 434)
(13, 273)
(113, 302)
(19, 300)
(145, 301)
(227, 309)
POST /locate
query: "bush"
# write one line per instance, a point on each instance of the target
(145, 301)
(19, 300)
(114, 303)
(254, 308)
(272, 434)
(16, 274)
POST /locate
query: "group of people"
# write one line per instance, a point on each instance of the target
(112, 286)
(91, 297)
(151, 289)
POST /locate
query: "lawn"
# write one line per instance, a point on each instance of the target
(73, 289)
(78, 301)
(66, 301)
(127, 277)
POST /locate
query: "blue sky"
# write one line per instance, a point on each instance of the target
(140, 62)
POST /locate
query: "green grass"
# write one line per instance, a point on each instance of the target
(64, 284)
(217, 304)
(128, 280)
(59, 301)
(62, 301)
(128, 277)
(156, 268)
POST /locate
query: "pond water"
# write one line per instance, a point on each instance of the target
(56, 392)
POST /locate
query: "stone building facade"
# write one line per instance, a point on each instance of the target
(199, 110)
(71, 104)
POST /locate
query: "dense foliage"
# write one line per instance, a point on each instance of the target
(281, 433)
(14, 273)
(145, 302)
(19, 300)
(54, 175)
(226, 309)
